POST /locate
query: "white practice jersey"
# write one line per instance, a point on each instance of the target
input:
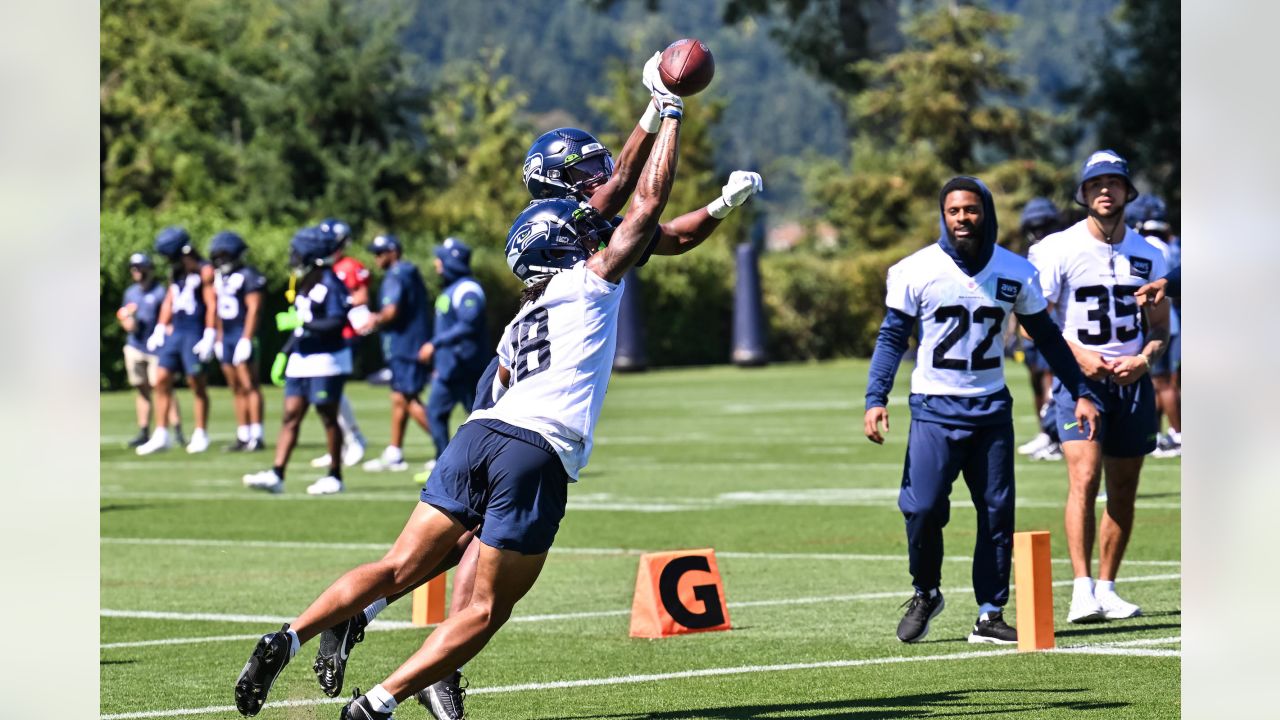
(1166, 252)
(560, 352)
(962, 318)
(1093, 283)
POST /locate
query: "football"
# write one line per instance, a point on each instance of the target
(687, 67)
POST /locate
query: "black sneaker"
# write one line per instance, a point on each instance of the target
(179, 438)
(361, 709)
(254, 445)
(335, 649)
(993, 630)
(269, 657)
(444, 699)
(920, 610)
(237, 446)
(144, 434)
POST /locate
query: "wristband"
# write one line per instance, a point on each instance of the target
(719, 209)
(671, 111)
(650, 121)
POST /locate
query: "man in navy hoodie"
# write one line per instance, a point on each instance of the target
(460, 346)
(961, 289)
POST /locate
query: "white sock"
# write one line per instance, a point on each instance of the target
(1084, 585)
(380, 699)
(1105, 587)
(394, 454)
(255, 431)
(987, 610)
(374, 608)
(347, 421)
(162, 433)
(1175, 436)
(293, 643)
(242, 433)
(199, 433)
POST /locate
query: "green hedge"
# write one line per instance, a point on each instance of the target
(815, 306)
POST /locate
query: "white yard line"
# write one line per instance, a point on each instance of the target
(550, 617)
(1107, 649)
(381, 547)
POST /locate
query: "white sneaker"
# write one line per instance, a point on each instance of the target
(1036, 444)
(1085, 609)
(266, 480)
(1115, 607)
(158, 442)
(352, 453)
(321, 462)
(199, 442)
(391, 459)
(1049, 453)
(327, 485)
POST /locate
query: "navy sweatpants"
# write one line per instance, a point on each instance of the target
(440, 402)
(936, 454)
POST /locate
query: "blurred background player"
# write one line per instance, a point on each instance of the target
(239, 288)
(1150, 217)
(183, 338)
(139, 309)
(1040, 218)
(319, 361)
(355, 276)
(960, 290)
(404, 319)
(1089, 273)
(459, 349)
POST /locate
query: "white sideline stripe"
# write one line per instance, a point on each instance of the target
(1108, 649)
(551, 617)
(299, 545)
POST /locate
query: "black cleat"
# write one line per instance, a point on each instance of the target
(361, 709)
(237, 446)
(269, 657)
(993, 630)
(144, 434)
(335, 649)
(921, 609)
(444, 699)
(254, 445)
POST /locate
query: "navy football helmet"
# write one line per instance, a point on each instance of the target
(1148, 215)
(563, 162)
(226, 249)
(311, 247)
(341, 231)
(550, 236)
(173, 242)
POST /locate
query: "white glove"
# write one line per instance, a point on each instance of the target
(204, 346)
(243, 351)
(662, 97)
(156, 341)
(742, 185)
(217, 351)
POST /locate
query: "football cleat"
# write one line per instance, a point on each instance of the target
(921, 610)
(352, 453)
(199, 442)
(991, 628)
(327, 485)
(269, 657)
(444, 698)
(361, 709)
(1038, 443)
(139, 439)
(335, 649)
(266, 480)
(323, 461)
(1085, 609)
(159, 442)
(1116, 608)
(390, 460)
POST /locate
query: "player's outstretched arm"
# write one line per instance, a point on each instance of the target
(654, 188)
(891, 345)
(689, 230)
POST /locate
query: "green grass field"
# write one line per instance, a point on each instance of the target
(767, 466)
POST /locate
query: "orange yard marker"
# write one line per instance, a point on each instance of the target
(678, 592)
(1033, 578)
(428, 602)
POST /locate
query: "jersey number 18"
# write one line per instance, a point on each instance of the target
(532, 346)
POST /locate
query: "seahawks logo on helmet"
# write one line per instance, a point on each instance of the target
(545, 239)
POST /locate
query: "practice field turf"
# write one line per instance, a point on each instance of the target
(767, 466)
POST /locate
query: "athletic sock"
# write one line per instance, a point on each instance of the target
(336, 470)
(381, 700)
(1105, 587)
(255, 431)
(1084, 585)
(242, 433)
(162, 433)
(987, 610)
(279, 471)
(374, 608)
(293, 643)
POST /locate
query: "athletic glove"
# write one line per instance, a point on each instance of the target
(204, 346)
(288, 320)
(156, 341)
(662, 97)
(277, 369)
(217, 351)
(243, 351)
(742, 185)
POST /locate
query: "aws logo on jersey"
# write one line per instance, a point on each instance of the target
(1140, 267)
(1007, 290)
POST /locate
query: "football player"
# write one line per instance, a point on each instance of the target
(405, 322)
(239, 288)
(1040, 218)
(961, 290)
(319, 361)
(137, 314)
(184, 336)
(1149, 216)
(1089, 272)
(355, 276)
(507, 471)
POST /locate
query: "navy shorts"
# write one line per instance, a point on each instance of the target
(508, 478)
(408, 377)
(316, 390)
(231, 336)
(1170, 361)
(179, 352)
(1034, 359)
(1127, 417)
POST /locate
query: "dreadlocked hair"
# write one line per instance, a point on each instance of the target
(534, 291)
